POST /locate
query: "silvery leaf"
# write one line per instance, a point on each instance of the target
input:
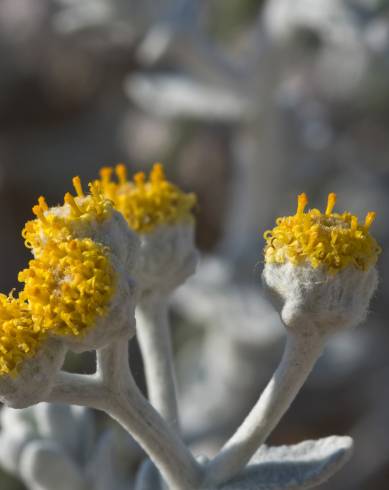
(84, 423)
(101, 469)
(12, 444)
(45, 466)
(148, 477)
(18, 427)
(175, 96)
(55, 422)
(301, 466)
(11, 417)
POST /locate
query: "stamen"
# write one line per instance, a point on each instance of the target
(312, 240)
(95, 189)
(78, 187)
(37, 210)
(121, 173)
(106, 174)
(139, 179)
(157, 173)
(354, 223)
(302, 201)
(370, 217)
(69, 199)
(42, 203)
(330, 203)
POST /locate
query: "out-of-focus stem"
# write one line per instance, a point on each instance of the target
(154, 336)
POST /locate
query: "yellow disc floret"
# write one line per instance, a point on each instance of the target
(18, 338)
(61, 222)
(327, 239)
(69, 286)
(147, 203)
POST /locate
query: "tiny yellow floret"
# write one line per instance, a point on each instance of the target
(78, 186)
(147, 203)
(18, 339)
(121, 173)
(69, 286)
(331, 240)
(59, 223)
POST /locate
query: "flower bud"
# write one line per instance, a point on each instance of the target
(320, 268)
(167, 257)
(161, 214)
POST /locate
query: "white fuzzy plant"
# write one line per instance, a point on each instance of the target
(79, 295)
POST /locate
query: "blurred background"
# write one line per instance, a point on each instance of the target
(247, 103)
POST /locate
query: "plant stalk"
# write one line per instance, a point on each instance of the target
(299, 357)
(154, 336)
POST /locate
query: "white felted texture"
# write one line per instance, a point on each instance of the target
(35, 378)
(112, 232)
(301, 466)
(118, 321)
(45, 466)
(115, 233)
(300, 354)
(297, 467)
(17, 428)
(63, 435)
(315, 298)
(154, 337)
(167, 257)
(11, 448)
(84, 431)
(100, 470)
(124, 403)
(57, 422)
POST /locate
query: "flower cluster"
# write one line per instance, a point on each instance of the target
(320, 268)
(324, 239)
(72, 285)
(75, 277)
(78, 294)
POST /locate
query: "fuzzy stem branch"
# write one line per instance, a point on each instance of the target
(77, 389)
(130, 409)
(154, 338)
(299, 357)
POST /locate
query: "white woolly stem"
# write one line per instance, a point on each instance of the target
(299, 357)
(113, 390)
(128, 406)
(154, 336)
(77, 389)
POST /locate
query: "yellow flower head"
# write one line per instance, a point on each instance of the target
(327, 239)
(69, 286)
(144, 203)
(18, 338)
(61, 222)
